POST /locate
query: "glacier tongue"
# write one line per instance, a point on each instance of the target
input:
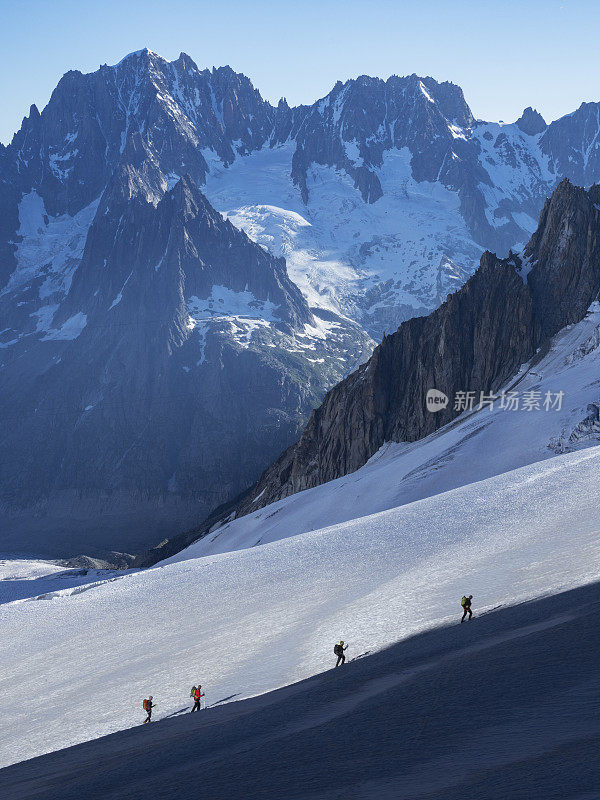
(50, 249)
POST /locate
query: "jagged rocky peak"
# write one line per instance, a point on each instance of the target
(475, 341)
(564, 256)
(186, 62)
(172, 250)
(396, 95)
(447, 96)
(358, 121)
(531, 122)
(571, 144)
(178, 114)
(213, 252)
(144, 54)
(33, 112)
(172, 359)
(69, 151)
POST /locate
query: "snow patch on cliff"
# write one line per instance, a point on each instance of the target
(50, 249)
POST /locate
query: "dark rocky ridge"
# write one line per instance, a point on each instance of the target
(571, 145)
(475, 342)
(184, 245)
(69, 151)
(379, 115)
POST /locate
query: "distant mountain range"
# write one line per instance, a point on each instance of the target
(154, 358)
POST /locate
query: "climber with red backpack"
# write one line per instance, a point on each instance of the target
(197, 694)
(148, 705)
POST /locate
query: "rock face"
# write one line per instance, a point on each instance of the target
(358, 121)
(474, 342)
(570, 144)
(184, 247)
(69, 151)
(564, 257)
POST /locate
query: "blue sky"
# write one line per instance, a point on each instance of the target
(504, 54)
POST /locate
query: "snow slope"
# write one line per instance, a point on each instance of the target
(249, 621)
(488, 710)
(478, 445)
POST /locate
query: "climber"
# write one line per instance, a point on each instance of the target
(148, 705)
(339, 652)
(466, 606)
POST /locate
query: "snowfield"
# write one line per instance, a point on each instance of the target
(33, 578)
(492, 709)
(249, 621)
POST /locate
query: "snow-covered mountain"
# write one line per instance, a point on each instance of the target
(411, 142)
(178, 362)
(139, 393)
(153, 359)
(437, 186)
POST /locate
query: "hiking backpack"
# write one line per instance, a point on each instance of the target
(145, 705)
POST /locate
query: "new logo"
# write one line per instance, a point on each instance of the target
(435, 400)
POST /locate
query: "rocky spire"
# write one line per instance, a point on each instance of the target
(531, 122)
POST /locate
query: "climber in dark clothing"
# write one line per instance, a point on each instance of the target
(466, 605)
(339, 652)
